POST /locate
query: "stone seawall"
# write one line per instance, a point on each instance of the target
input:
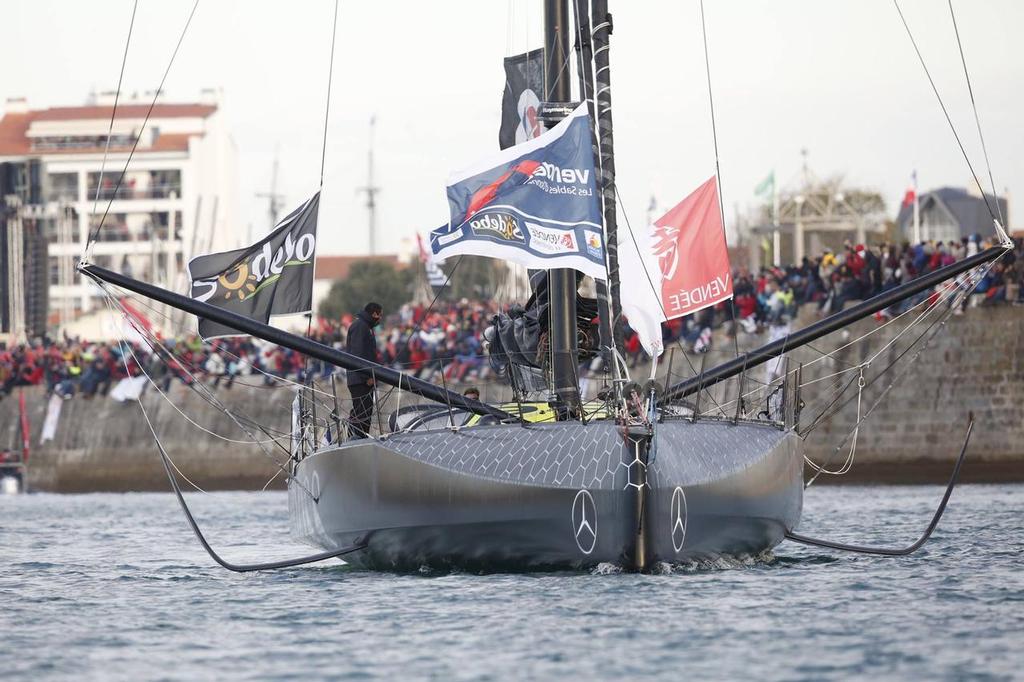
(974, 364)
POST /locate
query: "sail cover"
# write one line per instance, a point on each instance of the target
(274, 276)
(535, 204)
(679, 267)
(524, 84)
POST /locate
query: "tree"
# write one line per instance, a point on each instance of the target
(368, 280)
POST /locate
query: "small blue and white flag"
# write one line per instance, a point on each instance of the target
(535, 204)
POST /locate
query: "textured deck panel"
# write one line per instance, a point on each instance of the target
(574, 455)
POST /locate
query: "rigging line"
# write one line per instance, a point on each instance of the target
(113, 113)
(974, 106)
(95, 233)
(124, 359)
(222, 408)
(176, 408)
(562, 69)
(154, 345)
(654, 290)
(239, 568)
(945, 295)
(933, 328)
(142, 302)
(718, 169)
(883, 551)
(851, 455)
(327, 109)
(943, 105)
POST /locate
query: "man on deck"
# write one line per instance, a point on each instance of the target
(362, 343)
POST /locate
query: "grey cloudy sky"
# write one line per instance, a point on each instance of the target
(837, 78)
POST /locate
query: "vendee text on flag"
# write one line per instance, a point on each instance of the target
(684, 260)
(535, 204)
(274, 276)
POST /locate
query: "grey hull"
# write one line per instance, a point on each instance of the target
(550, 496)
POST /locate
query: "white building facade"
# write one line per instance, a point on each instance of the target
(178, 197)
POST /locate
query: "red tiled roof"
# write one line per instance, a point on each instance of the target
(12, 134)
(124, 111)
(337, 267)
(14, 127)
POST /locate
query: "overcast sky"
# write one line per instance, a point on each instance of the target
(839, 79)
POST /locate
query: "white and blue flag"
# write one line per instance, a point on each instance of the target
(535, 204)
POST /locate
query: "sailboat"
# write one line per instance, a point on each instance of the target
(478, 486)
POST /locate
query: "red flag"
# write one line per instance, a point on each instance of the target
(908, 198)
(25, 432)
(689, 242)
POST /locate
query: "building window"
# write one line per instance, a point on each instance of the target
(164, 184)
(69, 276)
(115, 228)
(63, 187)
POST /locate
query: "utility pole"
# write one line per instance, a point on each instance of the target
(371, 191)
(274, 199)
(776, 233)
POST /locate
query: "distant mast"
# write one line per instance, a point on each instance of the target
(273, 198)
(371, 191)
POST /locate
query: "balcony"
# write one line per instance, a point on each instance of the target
(108, 193)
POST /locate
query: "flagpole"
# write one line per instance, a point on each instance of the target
(776, 234)
(917, 214)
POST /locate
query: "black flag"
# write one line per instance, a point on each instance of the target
(524, 87)
(274, 276)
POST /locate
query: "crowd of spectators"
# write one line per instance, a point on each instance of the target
(448, 338)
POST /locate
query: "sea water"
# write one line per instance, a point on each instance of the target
(104, 587)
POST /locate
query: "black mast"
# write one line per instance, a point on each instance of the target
(830, 324)
(561, 283)
(602, 21)
(297, 343)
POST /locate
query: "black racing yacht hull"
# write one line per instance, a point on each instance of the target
(551, 496)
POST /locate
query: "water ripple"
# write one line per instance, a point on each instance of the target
(114, 586)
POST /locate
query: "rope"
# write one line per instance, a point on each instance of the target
(718, 169)
(848, 464)
(110, 129)
(910, 549)
(213, 400)
(327, 109)
(95, 233)
(943, 105)
(977, 119)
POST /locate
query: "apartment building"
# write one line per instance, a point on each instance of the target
(178, 197)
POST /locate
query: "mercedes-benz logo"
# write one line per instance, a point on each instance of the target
(584, 521)
(677, 517)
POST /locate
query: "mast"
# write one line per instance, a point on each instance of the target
(297, 343)
(371, 191)
(830, 324)
(602, 32)
(562, 282)
(272, 196)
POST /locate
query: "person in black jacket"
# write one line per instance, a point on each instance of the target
(362, 343)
